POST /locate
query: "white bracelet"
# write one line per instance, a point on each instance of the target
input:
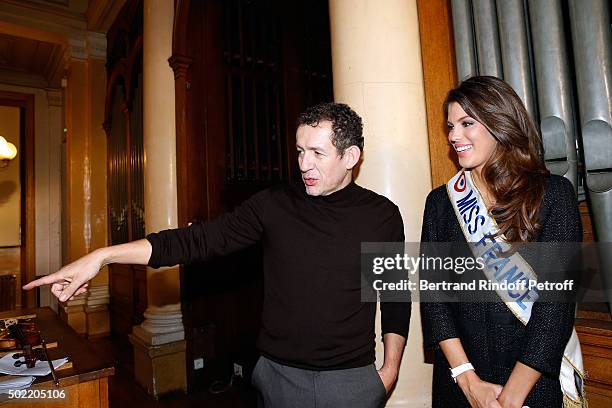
(457, 371)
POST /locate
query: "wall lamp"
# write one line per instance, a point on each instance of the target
(8, 151)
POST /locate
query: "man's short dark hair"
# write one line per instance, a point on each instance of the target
(347, 127)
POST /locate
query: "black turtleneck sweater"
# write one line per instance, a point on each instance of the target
(313, 316)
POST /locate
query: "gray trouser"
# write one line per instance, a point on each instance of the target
(281, 386)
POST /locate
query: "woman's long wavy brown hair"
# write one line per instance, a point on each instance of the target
(515, 173)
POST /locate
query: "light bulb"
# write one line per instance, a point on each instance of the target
(12, 151)
(8, 151)
(4, 152)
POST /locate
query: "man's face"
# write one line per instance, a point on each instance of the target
(324, 170)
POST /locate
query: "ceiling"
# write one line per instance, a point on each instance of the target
(32, 58)
(35, 34)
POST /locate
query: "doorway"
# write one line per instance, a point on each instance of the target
(17, 221)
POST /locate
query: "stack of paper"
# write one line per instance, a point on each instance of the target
(41, 368)
(10, 382)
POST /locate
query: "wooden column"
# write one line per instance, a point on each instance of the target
(85, 225)
(439, 76)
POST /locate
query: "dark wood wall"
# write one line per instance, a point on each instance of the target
(125, 161)
(439, 76)
(244, 70)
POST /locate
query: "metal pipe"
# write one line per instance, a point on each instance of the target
(592, 41)
(554, 87)
(592, 51)
(464, 39)
(487, 38)
(512, 21)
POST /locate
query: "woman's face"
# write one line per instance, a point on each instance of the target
(472, 142)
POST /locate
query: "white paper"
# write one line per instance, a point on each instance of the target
(41, 368)
(15, 383)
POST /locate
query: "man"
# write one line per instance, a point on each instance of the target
(317, 336)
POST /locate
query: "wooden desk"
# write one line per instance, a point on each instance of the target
(86, 383)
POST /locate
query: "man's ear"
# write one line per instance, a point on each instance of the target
(351, 156)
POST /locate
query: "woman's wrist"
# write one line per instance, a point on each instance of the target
(466, 379)
(508, 400)
(512, 395)
(518, 386)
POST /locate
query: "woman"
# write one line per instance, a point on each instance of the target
(500, 356)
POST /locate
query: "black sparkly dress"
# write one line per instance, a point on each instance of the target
(493, 338)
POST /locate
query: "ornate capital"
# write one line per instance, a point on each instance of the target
(87, 45)
(54, 97)
(96, 45)
(77, 48)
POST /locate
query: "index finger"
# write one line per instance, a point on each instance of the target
(70, 290)
(45, 280)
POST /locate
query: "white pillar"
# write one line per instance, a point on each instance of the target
(376, 60)
(163, 322)
(159, 125)
(159, 345)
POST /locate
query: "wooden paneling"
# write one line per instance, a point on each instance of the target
(439, 76)
(90, 394)
(128, 297)
(587, 223)
(593, 305)
(596, 341)
(85, 383)
(123, 126)
(10, 265)
(7, 291)
(10, 260)
(29, 56)
(23, 54)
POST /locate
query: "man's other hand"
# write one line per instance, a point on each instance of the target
(388, 377)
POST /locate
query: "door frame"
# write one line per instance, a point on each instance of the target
(28, 219)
